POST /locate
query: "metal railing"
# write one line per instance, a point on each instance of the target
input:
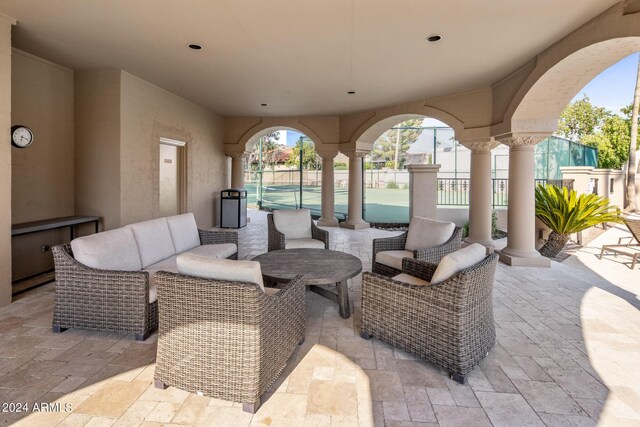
(455, 191)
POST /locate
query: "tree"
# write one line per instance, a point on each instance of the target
(612, 142)
(598, 127)
(394, 143)
(271, 150)
(308, 154)
(630, 204)
(581, 118)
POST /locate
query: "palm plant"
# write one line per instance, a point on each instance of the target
(564, 212)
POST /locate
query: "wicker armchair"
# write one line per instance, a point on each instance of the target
(109, 300)
(450, 324)
(432, 255)
(276, 239)
(227, 340)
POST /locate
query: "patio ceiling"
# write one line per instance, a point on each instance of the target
(299, 57)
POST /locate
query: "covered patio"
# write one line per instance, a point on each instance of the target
(566, 354)
(114, 92)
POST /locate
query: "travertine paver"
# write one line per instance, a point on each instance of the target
(567, 353)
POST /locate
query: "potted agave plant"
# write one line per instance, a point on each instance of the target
(565, 213)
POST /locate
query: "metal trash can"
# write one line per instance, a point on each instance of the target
(233, 208)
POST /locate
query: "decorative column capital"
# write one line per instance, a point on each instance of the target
(355, 154)
(327, 154)
(521, 140)
(480, 144)
(238, 155)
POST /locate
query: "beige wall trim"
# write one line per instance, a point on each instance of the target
(174, 142)
(39, 59)
(8, 19)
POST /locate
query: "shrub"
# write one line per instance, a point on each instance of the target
(391, 185)
(564, 212)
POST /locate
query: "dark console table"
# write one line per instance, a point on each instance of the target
(71, 222)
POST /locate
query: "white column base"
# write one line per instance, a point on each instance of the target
(355, 225)
(327, 222)
(489, 244)
(523, 259)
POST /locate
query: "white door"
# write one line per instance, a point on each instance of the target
(170, 179)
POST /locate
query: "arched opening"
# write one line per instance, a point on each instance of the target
(547, 92)
(282, 171)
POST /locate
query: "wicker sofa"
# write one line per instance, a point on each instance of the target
(426, 240)
(450, 324)
(227, 339)
(106, 281)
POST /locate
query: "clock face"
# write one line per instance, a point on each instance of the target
(21, 136)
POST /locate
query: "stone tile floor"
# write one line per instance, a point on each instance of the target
(568, 354)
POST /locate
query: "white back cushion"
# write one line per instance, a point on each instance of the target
(220, 269)
(109, 250)
(427, 233)
(184, 232)
(458, 261)
(154, 240)
(294, 223)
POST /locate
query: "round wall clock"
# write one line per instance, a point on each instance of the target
(21, 136)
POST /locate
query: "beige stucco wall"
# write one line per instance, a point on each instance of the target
(5, 161)
(42, 174)
(97, 145)
(149, 113)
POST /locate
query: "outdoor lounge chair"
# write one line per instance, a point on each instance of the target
(630, 249)
(449, 323)
(294, 229)
(426, 240)
(227, 339)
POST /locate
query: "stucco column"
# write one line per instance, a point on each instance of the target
(521, 217)
(5, 159)
(354, 216)
(480, 191)
(423, 190)
(237, 170)
(328, 218)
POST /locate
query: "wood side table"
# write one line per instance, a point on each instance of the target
(318, 266)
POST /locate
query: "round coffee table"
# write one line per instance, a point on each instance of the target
(318, 266)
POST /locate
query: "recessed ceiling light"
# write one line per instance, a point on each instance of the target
(195, 46)
(263, 105)
(434, 38)
(351, 92)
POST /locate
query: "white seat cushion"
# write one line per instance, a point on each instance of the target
(294, 223)
(407, 278)
(427, 233)
(303, 243)
(220, 269)
(109, 250)
(219, 250)
(458, 261)
(393, 258)
(154, 240)
(184, 232)
(168, 264)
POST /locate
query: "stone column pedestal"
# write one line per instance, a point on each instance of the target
(521, 218)
(423, 190)
(328, 218)
(354, 217)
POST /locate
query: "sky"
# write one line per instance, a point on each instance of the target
(614, 87)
